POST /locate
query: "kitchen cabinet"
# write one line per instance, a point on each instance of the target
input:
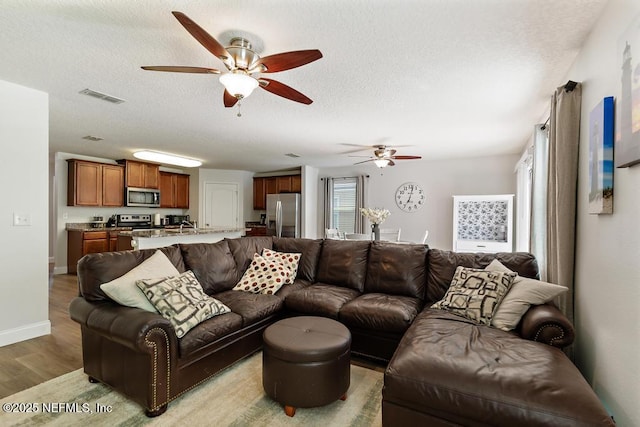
(82, 242)
(274, 185)
(174, 190)
(483, 223)
(141, 174)
(94, 184)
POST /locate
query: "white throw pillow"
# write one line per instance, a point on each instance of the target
(263, 276)
(288, 260)
(124, 291)
(524, 293)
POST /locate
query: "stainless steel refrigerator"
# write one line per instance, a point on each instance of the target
(283, 215)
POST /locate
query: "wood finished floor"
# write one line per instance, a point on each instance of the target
(31, 362)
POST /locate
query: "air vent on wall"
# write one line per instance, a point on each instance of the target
(102, 96)
(92, 138)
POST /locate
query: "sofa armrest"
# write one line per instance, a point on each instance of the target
(132, 327)
(546, 324)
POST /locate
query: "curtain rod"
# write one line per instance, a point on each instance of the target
(342, 177)
(568, 87)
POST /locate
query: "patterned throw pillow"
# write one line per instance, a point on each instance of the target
(263, 277)
(524, 293)
(181, 300)
(476, 294)
(289, 260)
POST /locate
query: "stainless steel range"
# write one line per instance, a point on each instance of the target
(133, 221)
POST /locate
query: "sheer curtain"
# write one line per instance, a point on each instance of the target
(352, 202)
(554, 221)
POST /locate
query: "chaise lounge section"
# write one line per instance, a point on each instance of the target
(381, 291)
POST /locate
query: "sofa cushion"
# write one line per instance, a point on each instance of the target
(441, 265)
(476, 294)
(252, 307)
(297, 285)
(263, 277)
(96, 269)
(212, 263)
(397, 269)
(321, 299)
(181, 300)
(124, 291)
(243, 249)
(206, 335)
(380, 312)
(288, 260)
(344, 263)
(310, 250)
(469, 374)
(523, 293)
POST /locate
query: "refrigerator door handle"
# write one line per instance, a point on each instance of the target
(279, 218)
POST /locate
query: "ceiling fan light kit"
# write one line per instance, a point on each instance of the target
(242, 62)
(381, 163)
(238, 84)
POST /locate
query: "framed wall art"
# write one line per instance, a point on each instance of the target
(601, 157)
(628, 108)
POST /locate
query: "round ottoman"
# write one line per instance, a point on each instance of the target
(306, 362)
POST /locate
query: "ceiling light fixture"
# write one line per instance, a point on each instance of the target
(238, 83)
(170, 159)
(381, 163)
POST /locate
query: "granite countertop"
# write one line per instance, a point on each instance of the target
(170, 232)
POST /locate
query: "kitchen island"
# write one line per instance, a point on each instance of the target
(157, 238)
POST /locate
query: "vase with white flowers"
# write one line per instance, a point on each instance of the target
(376, 216)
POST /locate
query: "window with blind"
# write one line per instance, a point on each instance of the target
(344, 207)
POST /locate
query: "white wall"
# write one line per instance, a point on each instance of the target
(607, 283)
(310, 189)
(24, 136)
(441, 180)
(80, 214)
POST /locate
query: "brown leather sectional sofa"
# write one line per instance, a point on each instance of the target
(442, 369)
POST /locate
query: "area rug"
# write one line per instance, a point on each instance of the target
(234, 397)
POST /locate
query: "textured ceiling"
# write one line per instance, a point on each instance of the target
(450, 78)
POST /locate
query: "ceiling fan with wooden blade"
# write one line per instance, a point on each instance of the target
(384, 156)
(242, 63)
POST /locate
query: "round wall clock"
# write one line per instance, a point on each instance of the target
(410, 197)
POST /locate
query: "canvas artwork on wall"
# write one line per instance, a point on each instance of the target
(601, 158)
(628, 109)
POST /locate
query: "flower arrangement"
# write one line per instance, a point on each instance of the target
(375, 215)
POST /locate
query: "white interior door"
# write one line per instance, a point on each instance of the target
(221, 204)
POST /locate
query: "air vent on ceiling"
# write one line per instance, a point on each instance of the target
(295, 156)
(102, 96)
(92, 138)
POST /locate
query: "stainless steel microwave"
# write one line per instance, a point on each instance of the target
(143, 197)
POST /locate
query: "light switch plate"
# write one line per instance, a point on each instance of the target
(21, 219)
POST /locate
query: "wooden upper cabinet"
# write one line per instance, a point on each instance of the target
(167, 190)
(271, 185)
(94, 184)
(274, 185)
(259, 194)
(284, 184)
(182, 191)
(112, 185)
(141, 174)
(174, 190)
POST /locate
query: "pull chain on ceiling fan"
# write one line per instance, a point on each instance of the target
(242, 63)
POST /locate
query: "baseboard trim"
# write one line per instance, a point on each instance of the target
(26, 332)
(59, 270)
